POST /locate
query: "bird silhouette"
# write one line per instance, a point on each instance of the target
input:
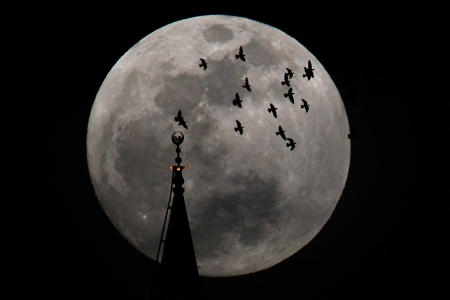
(241, 54)
(290, 73)
(309, 71)
(239, 127)
(203, 64)
(237, 101)
(273, 110)
(286, 80)
(180, 120)
(281, 132)
(291, 144)
(305, 105)
(246, 85)
(290, 95)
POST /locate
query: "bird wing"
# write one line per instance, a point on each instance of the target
(179, 113)
(238, 123)
(309, 64)
(290, 72)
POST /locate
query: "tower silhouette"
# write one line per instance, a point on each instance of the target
(177, 275)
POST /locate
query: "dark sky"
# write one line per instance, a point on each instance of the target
(387, 233)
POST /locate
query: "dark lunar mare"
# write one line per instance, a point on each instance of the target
(256, 202)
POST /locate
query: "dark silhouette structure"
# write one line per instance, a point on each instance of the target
(305, 105)
(281, 132)
(177, 276)
(272, 109)
(180, 120)
(241, 54)
(203, 64)
(237, 101)
(290, 94)
(286, 80)
(290, 73)
(291, 143)
(309, 71)
(246, 85)
(239, 127)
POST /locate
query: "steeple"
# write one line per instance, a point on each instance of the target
(177, 277)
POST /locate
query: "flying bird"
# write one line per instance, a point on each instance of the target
(239, 127)
(309, 71)
(290, 95)
(180, 120)
(291, 144)
(281, 132)
(305, 105)
(286, 80)
(273, 110)
(237, 101)
(247, 86)
(352, 134)
(203, 64)
(290, 73)
(240, 54)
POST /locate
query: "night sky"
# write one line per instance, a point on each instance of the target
(386, 236)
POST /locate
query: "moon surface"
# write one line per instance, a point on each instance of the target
(251, 201)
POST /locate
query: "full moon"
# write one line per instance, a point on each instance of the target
(252, 202)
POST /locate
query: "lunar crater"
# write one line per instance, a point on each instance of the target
(218, 33)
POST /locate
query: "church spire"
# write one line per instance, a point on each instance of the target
(177, 277)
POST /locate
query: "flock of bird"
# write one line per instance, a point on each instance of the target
(272, 109)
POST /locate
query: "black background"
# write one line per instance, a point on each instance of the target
(387, 234)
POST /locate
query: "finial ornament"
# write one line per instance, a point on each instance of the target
(177, 139)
